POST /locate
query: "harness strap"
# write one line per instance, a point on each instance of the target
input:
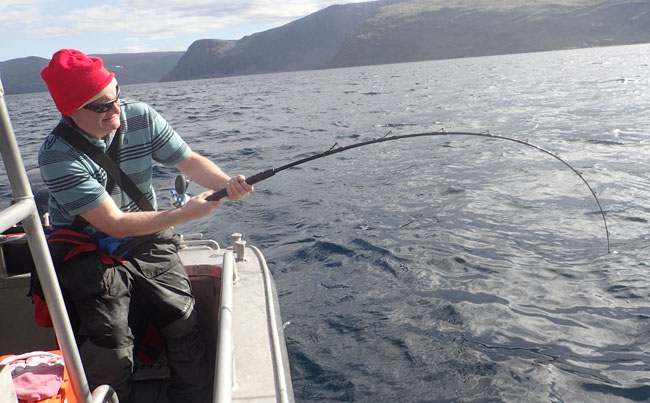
(102, 159)
(74, 243)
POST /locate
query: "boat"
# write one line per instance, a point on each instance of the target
(235, 294)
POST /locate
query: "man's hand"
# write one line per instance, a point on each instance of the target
(115, 222)
(237, 188)
(198, 207)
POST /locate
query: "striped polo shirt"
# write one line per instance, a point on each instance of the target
(77, 184)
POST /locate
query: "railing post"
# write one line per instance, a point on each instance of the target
(224, 376)
(41, 255)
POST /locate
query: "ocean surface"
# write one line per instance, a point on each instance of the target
(436, 269)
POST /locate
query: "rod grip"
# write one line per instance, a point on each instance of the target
(258, 177)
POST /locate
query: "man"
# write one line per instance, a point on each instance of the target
(105, 295)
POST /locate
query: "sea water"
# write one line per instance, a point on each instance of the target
(446, 268)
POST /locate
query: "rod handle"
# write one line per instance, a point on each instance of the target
(258, 177)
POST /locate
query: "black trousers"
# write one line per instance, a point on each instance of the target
(107, 298)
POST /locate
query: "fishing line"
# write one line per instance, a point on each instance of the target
(335, 149)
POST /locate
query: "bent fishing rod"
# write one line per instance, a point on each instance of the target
(335, 149)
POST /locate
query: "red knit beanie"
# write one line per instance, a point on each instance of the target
(74, 78)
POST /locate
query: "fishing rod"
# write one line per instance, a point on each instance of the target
(335, 149)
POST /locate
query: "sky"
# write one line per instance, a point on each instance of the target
(41, 27)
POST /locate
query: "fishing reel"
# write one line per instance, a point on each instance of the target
(179, 198)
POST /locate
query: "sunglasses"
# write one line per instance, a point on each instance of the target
(106, 106)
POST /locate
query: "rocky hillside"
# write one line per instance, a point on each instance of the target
(304, 44)
(430, 29)
(392, 31)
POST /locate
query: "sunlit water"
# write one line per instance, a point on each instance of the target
(444, 268)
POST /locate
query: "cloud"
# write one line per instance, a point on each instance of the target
(108, 26)
(15, 15)
(157, 18)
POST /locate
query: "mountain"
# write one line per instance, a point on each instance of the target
(393, 31)
(304, 44)
(427, 30)
(380, 32)
(22, 75)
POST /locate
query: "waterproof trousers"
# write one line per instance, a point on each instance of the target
(150, 281)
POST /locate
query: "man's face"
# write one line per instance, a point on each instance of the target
(100, 124)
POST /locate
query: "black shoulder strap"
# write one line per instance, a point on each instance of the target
(112, 170)
(113, 154)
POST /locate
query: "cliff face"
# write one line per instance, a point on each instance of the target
(307, 43)
(393, 31)
(200, 59)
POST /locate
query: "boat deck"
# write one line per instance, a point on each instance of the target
(260, 371)
(260, 361)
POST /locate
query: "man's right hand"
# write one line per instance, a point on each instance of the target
(198, 206)
(112, 221)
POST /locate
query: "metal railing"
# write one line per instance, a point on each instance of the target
(24, 211)
(223, 381)
(281, 381)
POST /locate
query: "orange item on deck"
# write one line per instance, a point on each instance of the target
(65, 393)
